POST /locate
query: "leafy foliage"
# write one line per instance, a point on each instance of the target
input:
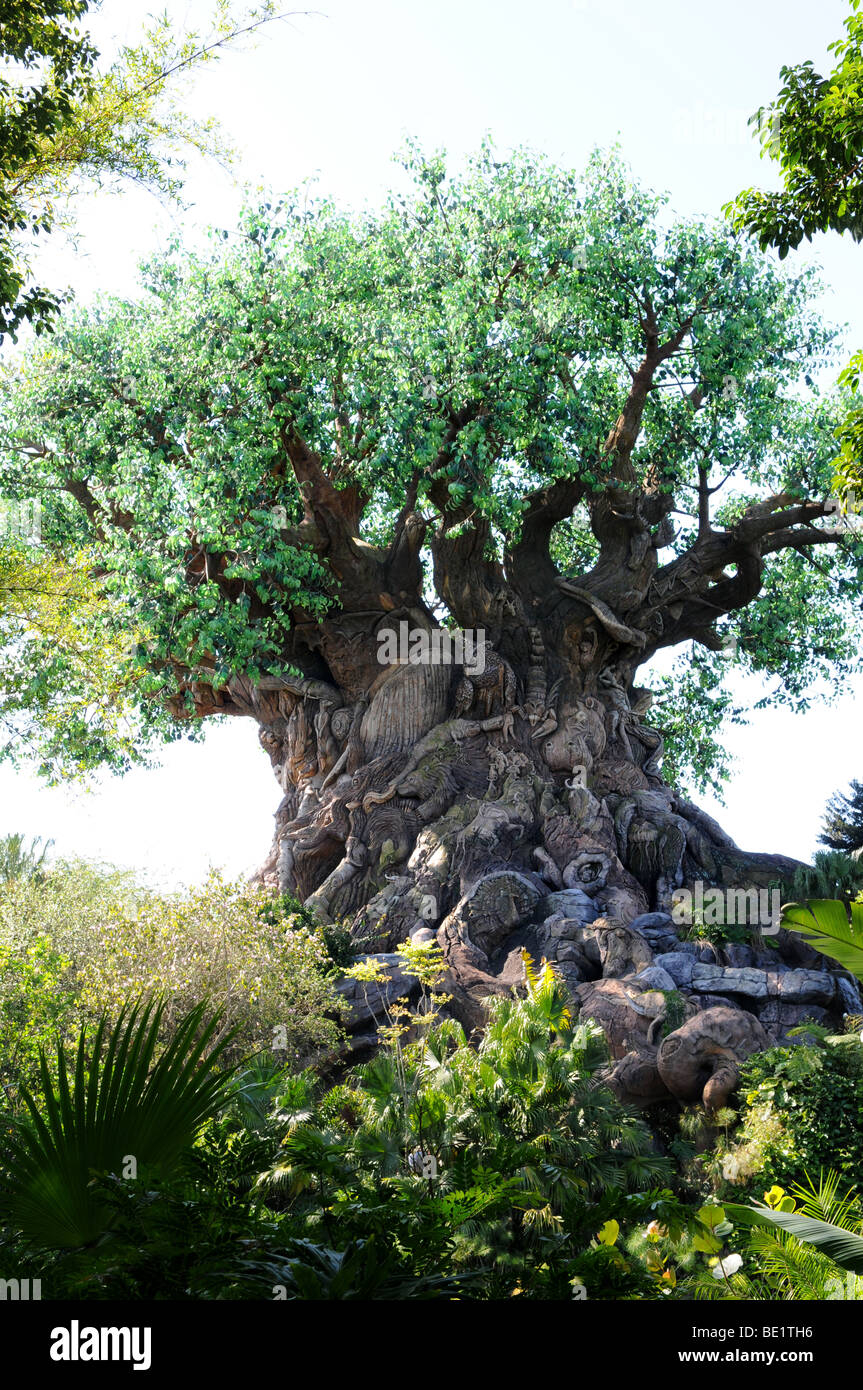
(69, 667)
(44, 41)
(801, 1110)
(843, 821)
(85, 939)
(114, 1104)
(814, 131)
(801, 1250)
(508, 1153)
(690, 710)
(832, 874)
(68, 121)
(833, 928)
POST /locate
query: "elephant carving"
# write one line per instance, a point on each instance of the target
(699, 1061)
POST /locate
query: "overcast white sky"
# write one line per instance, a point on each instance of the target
(332, 95)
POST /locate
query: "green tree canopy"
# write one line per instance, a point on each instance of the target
(814, 131)
(513, 364)
(843, 820)
(70, 120)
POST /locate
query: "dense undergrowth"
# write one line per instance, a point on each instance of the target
(179, 1121)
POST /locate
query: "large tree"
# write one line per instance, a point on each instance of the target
(843, 820)
(71, 121)
(814, 131)
(519, 401)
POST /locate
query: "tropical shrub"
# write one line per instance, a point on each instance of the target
(271, 977)
(509, 1158)
(114, 1110)
(832, 874)
(805, 1246)
(802, 1110)
(833, 928)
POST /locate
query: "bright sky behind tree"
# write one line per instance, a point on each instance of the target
(331, 95)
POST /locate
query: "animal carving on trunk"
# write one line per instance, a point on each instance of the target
(482, 690)
(579, 738)
(440, 776)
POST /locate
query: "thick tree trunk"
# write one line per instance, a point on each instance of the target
(523, 807)
(504, 811)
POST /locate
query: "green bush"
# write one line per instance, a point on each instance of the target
(802, 1110)
(272, 984)
(84, 939)
(282, 908)
(37, 1006)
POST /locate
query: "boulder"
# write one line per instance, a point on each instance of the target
(778, 1015)
(738, 955)
(628, 1016)
(653, 977)
(848, 995)
(679, 965)
(653, 921)
(699, 1061)
(573, 904)
(802, 986)
(622, 951)
(718, 979)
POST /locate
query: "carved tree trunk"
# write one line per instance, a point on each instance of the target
(520, 808)
(524, 807)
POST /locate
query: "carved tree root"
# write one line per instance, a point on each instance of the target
(491, 846)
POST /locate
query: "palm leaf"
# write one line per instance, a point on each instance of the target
(826, 925)
(845, 1247)
(120, 1105)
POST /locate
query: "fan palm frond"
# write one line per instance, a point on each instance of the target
(113, 1110)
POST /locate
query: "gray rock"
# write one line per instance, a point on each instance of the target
(560, 927)
(848, 992)
(738, 955)
(716, 1001)
(797, 951)
(707, 954)
(717, 979)
(778, 1015)
(803, 986)
(653, 921)
(661, 941)
(568, 952)
(679, 965)
(652, 977)
(565, 939)
(571, 903)
(766, 959)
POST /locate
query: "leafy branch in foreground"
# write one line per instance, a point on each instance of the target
(832, 928)
(113, 1104)
(68, 121)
